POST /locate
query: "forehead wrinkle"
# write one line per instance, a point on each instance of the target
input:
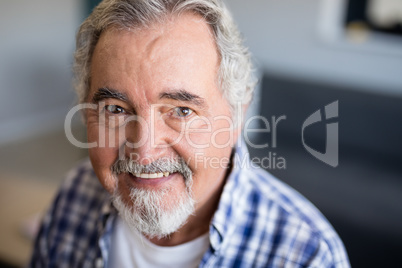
(159, 35)
(146, 44)
(149, 43)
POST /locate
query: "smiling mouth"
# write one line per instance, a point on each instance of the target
(151, 175)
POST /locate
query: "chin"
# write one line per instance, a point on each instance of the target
(155, 213)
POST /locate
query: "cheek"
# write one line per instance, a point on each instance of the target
(224, 135)
(208, 162)
(106, 135)
(103, 156)
(209, 152)
(102, 159)
(209, 144)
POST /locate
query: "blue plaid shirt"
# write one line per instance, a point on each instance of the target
(260, 222)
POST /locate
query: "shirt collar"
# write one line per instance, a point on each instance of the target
(105, 227)
(222, 224)
(107, 210)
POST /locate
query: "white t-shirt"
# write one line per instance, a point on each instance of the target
(131, 249)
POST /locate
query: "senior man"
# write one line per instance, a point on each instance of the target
(166, 83)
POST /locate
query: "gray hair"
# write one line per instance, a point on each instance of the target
(235, 72)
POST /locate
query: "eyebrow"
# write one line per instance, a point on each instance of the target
(183, 95)
(108, 93)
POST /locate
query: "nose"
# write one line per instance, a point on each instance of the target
(146, 139)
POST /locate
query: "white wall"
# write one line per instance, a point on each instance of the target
(37, 42)
(283, 36)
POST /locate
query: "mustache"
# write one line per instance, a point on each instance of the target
(171, 165)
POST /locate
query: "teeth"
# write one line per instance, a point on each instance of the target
(151, 175)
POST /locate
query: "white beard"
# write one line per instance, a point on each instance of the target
(149, 213)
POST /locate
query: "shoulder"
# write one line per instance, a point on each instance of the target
(80, 194)
(285, 225)
(81, 185)
(70, 226)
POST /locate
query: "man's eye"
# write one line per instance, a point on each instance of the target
(183, 111)
(114, 109)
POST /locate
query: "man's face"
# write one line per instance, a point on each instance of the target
(162, 81)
